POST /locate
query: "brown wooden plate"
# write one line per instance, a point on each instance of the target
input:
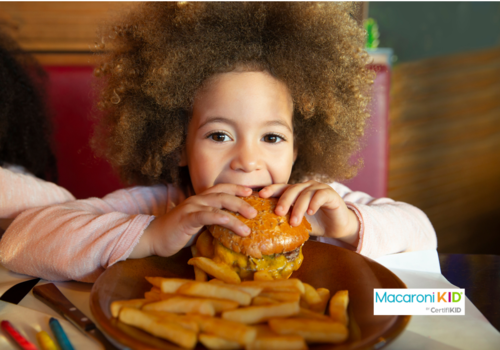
(324, 266)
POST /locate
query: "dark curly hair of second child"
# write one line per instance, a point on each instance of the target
(25, 125)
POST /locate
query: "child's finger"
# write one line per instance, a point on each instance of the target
(301, 205)
(289, 197)
(274, 190)
(229, 202)
(234, 189)
(319, 199)
(214, 216)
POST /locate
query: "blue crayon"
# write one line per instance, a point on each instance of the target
(61, 337)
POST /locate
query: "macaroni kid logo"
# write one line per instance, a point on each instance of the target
(419, 302)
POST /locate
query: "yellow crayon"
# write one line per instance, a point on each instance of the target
(45, 341)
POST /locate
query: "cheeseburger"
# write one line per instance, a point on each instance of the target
(272, 246)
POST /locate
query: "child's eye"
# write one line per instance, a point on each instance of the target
(273, 138)
(219, 137)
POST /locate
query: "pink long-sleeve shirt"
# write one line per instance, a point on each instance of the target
(77, 240)
(20, 190)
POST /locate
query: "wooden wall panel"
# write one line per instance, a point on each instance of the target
(57, 32)
(445, 146)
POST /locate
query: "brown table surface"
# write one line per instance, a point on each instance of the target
(479, 275)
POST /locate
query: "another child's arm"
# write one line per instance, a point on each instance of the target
(384, 226)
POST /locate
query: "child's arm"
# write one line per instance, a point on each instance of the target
(374, 227)
(22, 191)
(79, 239)
(388, 226)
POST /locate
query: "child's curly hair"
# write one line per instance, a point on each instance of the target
(162, 54)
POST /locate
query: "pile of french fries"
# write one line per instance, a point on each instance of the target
(226, 313)
(252, 315)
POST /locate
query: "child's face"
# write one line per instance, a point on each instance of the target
(241, 132)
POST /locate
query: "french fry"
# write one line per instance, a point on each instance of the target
(306, 313)
(221, 305)
(215, 290)
(182, 305)
(290, 285)
(287, 342)
(156, 289)
(205, 245)
(213, 342)
(220, 271)
(155, 281)
(181, 320)
(257, 314)
(229, 330)
(215, 280)
(165, 296)
(170, 285)
(267, 339)
(311, 296)
(194, 251)
(166, 330)
(303, 303)
(263, 330)
(116, 306)
(152, 296)
(338, 307)
(200, 275)
(313, 331)
(320, 307)
(258, 301)
(157, 296)
(281, 296)
(252, 290)
(262, 276)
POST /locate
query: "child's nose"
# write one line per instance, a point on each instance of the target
(246, 159)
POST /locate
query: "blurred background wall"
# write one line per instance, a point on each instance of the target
(444, 111)
(445, 116)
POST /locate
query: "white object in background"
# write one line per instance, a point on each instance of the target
(424, 260)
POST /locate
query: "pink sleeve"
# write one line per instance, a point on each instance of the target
(77, 240)
(387, 226)
(19, 192)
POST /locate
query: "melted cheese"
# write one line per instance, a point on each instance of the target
(277, 265)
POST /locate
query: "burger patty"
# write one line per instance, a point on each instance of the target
(293, 254)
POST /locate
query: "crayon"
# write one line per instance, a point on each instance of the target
(45, 341)
(61, 337)
(17, 337)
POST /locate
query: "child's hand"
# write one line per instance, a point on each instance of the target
(169, 233)
(324, 208)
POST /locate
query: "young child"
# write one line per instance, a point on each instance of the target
(206, 102)
(26, 157)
